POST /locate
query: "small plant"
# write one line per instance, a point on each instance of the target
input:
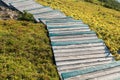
(26, 16)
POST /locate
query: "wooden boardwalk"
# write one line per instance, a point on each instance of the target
(79, 54)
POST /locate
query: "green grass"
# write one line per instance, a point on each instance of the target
(25, 52)
(104, 21)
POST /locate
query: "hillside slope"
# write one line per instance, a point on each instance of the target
(25, 52)
(100, 19)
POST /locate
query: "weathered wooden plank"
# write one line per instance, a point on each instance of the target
(74, 57)
(83, 61)
(68, 29)
(50, 14)
(40, 10)
(23, 3)
(78, 46)
(89, 70)
(26, 8)
(109, 73)
(113, 75)
(75, 42)
(74, 39)
(8, 2)
(82, 53)
(78, 66)
(69, 26)
(51, 34)
(54, 19)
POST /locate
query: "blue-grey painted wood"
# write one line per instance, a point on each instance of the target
(88, 70)
(96, 75)
(51, 34)
(54, 19)
(80, 66)
(75, 42)
(69, 26)
(63, 21)
(40, 10)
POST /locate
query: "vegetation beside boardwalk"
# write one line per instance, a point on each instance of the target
(25, 52)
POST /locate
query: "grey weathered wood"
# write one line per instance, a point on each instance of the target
(74, 39)
(29, 7)
(111, 76)
(83, 61)
(56, 19)
(79, 49)
(98, 73)
(65, 24)
(65, 58)
(23, 3)
(40, 10)
(78, 53)
(72, 30)
(72, 36)
(73, 67)
(78, 46)
(11, 1)
(69, 29)
(49, 15)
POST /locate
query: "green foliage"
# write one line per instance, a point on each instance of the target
(25, 52)
(106, 22)
(113, 4)
(26, 16)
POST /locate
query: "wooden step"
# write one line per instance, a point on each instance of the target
(44, 20)
(73, 39)
(78, 53)
(73, 36)
(75, 42)
(72, 67)
(56, 19)
(69, 26)
(77, 46)
(51, 34)
(113, 75)
(30, 7)
(8, 2)
(65, 58)
(90, 71)
(65, 24)
(104, 72)
(49, 14)
(80, 49)
(23, 3)
(72, 30)
(40, 10)
(68, 29)
(63, 21)
(83, 61)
